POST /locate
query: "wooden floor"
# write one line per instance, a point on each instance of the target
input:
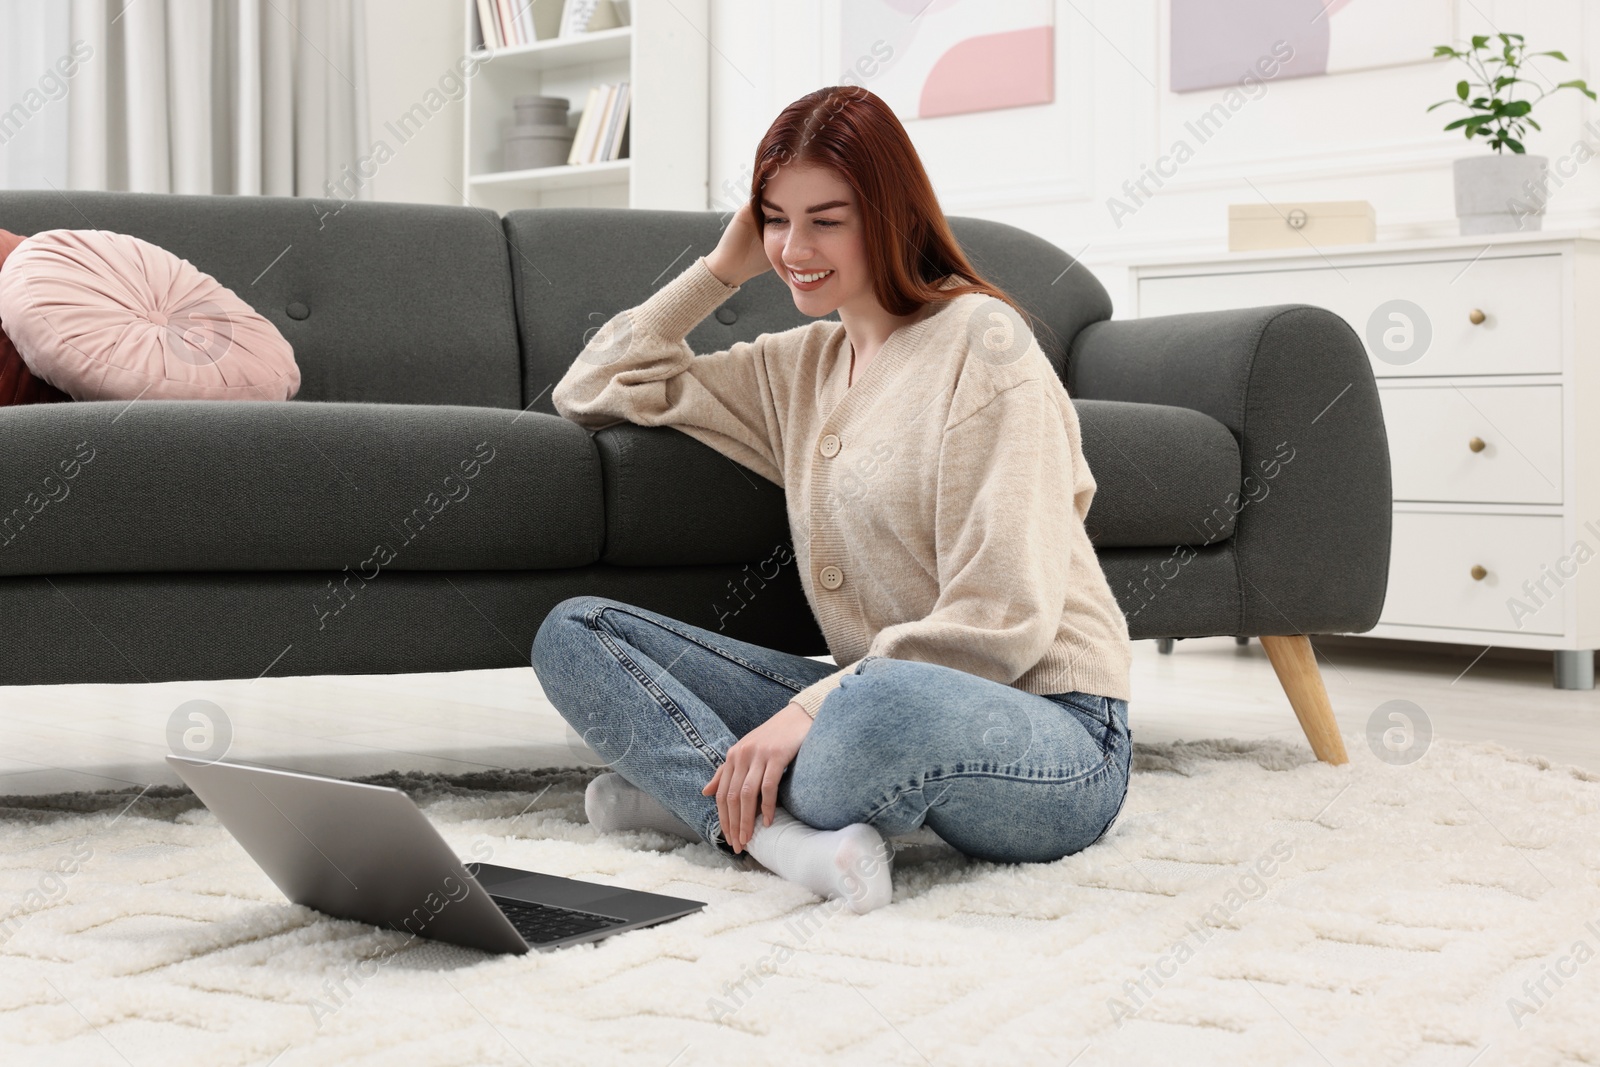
(87, 737)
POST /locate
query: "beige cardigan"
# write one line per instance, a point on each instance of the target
(927, 501)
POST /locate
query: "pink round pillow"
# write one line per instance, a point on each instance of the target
(106, 316)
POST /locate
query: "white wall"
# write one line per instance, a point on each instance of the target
(411, 45)
(1360, 135)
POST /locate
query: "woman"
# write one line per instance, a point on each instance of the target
(937, 490)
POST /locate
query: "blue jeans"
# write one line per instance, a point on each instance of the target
(998, 773)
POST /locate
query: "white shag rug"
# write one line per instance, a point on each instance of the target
(1251, 906)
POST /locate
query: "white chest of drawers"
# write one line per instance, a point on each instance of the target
(1487, 355)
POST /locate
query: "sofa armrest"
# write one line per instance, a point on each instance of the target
(1294, 385)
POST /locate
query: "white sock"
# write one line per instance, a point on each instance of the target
(613, 803)
(852, 863)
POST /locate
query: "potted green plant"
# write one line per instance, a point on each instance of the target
(1500, 192)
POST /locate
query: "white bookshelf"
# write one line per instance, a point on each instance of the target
(663, 55)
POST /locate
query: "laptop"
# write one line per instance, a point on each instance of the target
(367, 852)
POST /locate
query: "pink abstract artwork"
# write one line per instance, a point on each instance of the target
(993, 71)
(950, 57)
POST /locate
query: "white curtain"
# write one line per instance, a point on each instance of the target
(33, 128)
(184, 96)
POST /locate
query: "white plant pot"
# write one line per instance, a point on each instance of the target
(1500, 193)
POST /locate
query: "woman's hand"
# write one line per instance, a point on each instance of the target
(740, 255)
(751, 772)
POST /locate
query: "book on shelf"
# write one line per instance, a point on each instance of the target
(601, 130)
(614, 143)
(587, 16)
(585, 120)
(506, 23)
(602, 133)
(484, 37)
(508, 28)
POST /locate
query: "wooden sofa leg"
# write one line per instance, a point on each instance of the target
(1295, 662)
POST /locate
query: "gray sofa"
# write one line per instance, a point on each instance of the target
(419, 506)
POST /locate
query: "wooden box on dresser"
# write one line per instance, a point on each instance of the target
(1487, 355)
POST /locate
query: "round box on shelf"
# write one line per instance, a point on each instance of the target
(528, 147)
(534, 110)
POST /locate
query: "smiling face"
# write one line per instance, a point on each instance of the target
(810, 226)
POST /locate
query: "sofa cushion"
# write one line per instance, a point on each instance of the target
(1164, 475)
(574, 268)
(382, 302)
(107, 316)
(674, 501)
(18, 384)
(351, 490)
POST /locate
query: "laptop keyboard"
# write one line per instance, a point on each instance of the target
(539, 923)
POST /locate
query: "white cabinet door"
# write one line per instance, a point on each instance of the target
(1433, 431)
(1414, 318)
(1431, 580)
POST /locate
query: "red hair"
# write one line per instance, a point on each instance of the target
(909, 246)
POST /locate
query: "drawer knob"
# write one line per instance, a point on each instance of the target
(1476, 317)
(1476, 444)
(1478, 573)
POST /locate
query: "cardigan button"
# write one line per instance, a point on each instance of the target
(297, 310)
(832, 577)
(727, 316)
(830, 445)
